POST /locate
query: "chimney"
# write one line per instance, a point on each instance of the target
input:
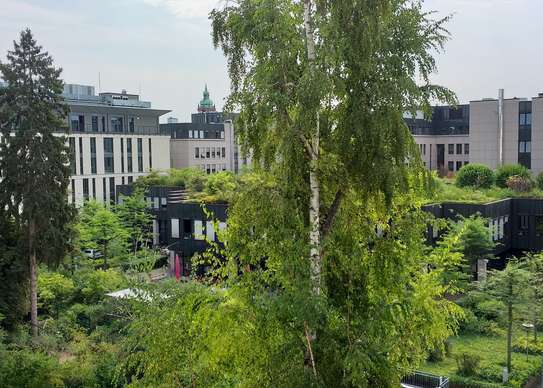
(500, 126)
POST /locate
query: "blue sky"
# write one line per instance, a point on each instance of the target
(163, 47)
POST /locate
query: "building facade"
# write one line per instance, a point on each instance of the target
(114, 138)
(488, 131)
(181, 227)
(208, 142)
(444, 139)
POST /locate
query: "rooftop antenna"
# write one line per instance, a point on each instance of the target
(99, 84)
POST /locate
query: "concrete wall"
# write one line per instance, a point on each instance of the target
(484, 132)
(537, 135)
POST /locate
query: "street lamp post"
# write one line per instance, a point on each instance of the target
(527, 327)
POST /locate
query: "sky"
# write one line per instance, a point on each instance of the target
(162, 49)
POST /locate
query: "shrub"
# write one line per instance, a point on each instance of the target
(539, 181)
(520, 347)
(508, 170)
(475, 175)
(467, 364)
(519, 183)
(440, 352)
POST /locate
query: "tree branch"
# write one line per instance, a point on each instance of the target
(332, 212)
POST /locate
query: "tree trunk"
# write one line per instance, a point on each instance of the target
(509, 325)
(314, 206)
(314, 203)
(33, 279)
(104, 254)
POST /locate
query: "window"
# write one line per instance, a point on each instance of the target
(77, 123)
(122, 180)
(466, 149)
(163, 203)
(525, 146)
(156, 202)
(451, 149)
(501, 233)
(466, 163)
(94, 123)
(129, 154)
(122, 155)
(108, 155)
(93, 155)
(524, 222)
(130, 179)
(223, 152)
(208, 152)
(104, 189)
(150, 154)
(116, 123)
(104, 124)
(538, 226)
(458, 165)
(423, 149)
(73, 190)
(450, 166)
(187, 229)
(197, 152)
(213, 168)
(525, 119)
(81, 155)
(131, 125)
(94, 188)
(210, 231)
(175, 227)
(198, 230)
(208, 168)
(85, 189)
(222, 134)
(201, 134)
(459, 149)
(140, 155)
(112, 190)
(213, 152)
(71, 142)
(190, 134)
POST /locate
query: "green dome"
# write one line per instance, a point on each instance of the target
(206, 104)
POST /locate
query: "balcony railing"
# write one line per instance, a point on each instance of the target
(138, 130)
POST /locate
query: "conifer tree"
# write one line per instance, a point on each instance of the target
(34, 162)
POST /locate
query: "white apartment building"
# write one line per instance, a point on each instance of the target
(114, 138)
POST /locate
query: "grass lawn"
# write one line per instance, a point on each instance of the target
(492, 351)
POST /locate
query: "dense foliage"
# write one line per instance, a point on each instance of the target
(503, 173)
(475, 175)
(199, 186)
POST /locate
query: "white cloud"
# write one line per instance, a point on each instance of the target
(186, 9)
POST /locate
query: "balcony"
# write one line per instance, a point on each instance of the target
(138, 130)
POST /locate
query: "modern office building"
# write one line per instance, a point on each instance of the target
(114, 138)
(491, 131)
(207, 142)
(444, 139)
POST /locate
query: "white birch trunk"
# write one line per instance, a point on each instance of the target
(314, 206)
